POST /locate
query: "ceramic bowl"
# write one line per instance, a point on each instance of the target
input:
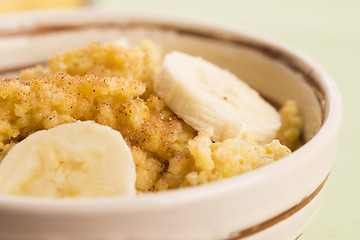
(275, 202)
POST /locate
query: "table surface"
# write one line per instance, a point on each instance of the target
(328, 31)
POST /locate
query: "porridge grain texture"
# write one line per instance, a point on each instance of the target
(112, 85)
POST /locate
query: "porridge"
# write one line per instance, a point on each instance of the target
(118, 87)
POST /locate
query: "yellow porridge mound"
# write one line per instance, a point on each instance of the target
(112, 85)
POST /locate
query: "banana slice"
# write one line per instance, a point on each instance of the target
(206, 96)
(81, 159)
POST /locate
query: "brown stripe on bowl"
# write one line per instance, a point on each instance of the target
(281, 217)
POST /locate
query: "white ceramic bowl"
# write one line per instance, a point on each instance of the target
(275, 202)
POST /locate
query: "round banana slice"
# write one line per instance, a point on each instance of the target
(206, 96)
(81, 159)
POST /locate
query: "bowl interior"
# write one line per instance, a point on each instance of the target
(275, 74)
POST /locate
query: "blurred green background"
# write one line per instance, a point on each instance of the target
(329, 32)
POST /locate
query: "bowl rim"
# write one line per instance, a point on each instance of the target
(168, 199)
